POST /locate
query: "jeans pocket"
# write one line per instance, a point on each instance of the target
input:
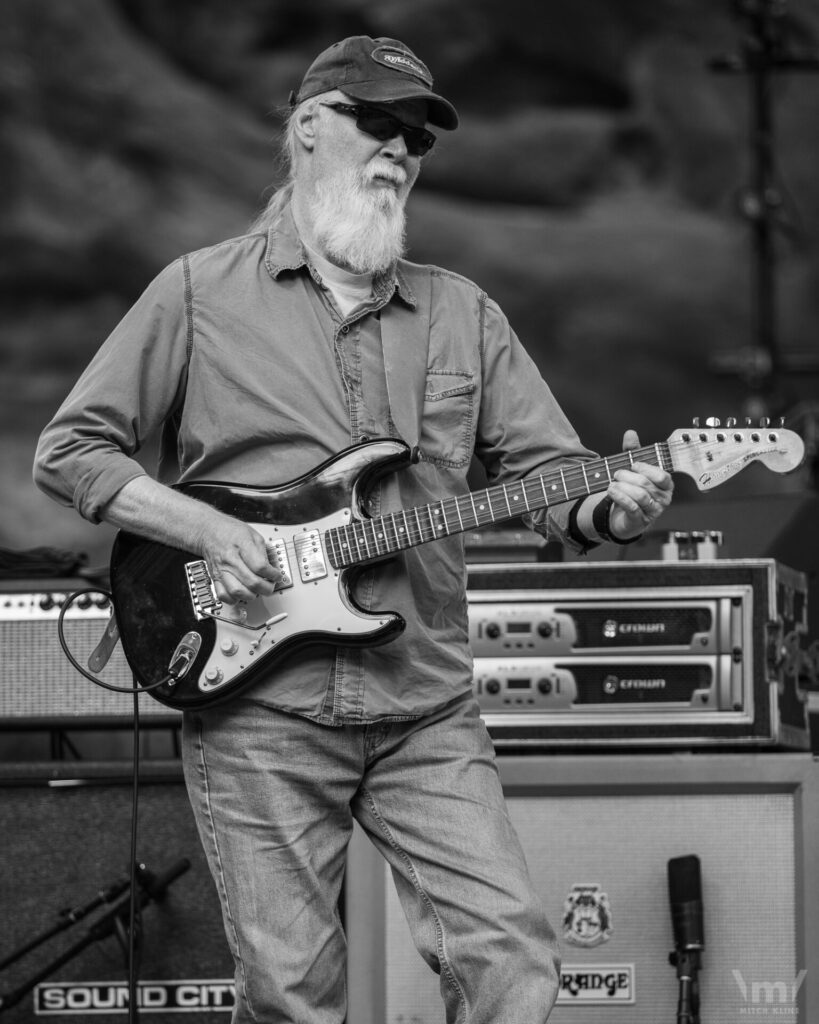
(447, 427)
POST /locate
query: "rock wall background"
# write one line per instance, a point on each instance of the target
(592, 189)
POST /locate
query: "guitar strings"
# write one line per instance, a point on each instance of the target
(574, 483)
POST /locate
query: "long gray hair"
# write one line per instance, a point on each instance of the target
(287, 162)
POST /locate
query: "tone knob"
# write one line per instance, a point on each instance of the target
(214, 675)
(228, 647)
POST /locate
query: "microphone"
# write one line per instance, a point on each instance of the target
(685, 894)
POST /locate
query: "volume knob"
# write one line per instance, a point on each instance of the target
(214, 675)
(228, 647)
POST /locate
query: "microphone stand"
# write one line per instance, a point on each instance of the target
(112, 922)
(687, 962)
(67, 918)
(763, 54)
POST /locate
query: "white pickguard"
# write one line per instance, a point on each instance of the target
(318, 605)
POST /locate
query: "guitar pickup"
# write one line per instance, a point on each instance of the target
(277, 556)
(310, 556)
(202, 589)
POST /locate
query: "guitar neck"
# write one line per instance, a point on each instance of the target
(367, 540)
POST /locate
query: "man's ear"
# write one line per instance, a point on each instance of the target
(304, 125)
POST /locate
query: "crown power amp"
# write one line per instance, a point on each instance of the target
(652, 654)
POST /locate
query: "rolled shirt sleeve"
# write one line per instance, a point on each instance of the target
(134, 383)
(522, 429)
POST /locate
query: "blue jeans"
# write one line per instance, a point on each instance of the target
(275, 795)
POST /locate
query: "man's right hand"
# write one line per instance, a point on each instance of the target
(237, 556)
(239, 561)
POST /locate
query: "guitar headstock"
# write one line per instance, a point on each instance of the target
(712, 454)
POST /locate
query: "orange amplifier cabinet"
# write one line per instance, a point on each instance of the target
(652, 654)
(40, 688)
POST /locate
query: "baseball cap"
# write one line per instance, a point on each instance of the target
(375, 70)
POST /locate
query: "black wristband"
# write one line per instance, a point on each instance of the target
(576, 533)
(601, 520)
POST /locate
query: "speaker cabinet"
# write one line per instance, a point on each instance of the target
(605, 827)
(66, 832)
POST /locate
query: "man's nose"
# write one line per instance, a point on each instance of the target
(395, 148)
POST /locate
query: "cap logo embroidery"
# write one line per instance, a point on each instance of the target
(401, 61)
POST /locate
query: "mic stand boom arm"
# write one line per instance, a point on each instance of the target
(111, 922)
(67, 918)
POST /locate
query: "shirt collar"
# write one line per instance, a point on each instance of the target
(285, 252)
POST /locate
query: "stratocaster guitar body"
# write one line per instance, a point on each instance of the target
(155, 587)
(177, 634)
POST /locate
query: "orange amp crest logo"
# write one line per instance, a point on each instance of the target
(586, 916)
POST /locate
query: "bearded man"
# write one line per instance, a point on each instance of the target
(259, 359)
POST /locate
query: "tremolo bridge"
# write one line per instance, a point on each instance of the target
(309, 556)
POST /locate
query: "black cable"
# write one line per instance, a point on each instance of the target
(133, 1010)
(135, 690)
(137, 687)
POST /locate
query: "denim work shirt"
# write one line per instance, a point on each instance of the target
(239, 356)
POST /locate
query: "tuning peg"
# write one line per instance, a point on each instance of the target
(748, 421)
(731, 421)
(695, 422)
(712, 421)
(781, 421)
(764, 421)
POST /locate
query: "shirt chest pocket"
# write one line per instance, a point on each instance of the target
(447, 429)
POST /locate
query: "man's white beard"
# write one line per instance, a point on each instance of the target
(359, 227)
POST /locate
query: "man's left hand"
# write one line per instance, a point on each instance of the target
(640, 494)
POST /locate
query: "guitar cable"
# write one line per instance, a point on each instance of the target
(137, 687)
(133, 1010)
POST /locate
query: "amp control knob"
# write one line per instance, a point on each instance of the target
(544, 685)
(493, 687)
(493, 630)
(544, 629)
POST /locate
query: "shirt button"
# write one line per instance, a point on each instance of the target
(363, 438)
(345, 329)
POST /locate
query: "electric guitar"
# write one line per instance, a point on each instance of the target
(174, 628)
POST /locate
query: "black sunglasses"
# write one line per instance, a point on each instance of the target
(384, 126)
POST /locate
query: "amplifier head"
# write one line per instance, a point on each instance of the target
(640, 653)
(40, 688)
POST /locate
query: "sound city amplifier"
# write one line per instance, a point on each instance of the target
(640, 653)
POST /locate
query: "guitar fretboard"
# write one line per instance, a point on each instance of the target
(365, 540)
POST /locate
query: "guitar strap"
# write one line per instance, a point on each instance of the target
(405, 343)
